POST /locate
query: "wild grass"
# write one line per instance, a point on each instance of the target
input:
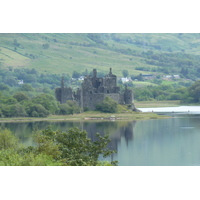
(63, 57)
(154, 104)
(91, 115)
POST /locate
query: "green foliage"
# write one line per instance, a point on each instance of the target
(10, 157)
(47, 101)
(115, 49)
(125, 73)
(161, 92)
(65, 109)
(76, 74)
(55, 148)
(26, 87)
(69, 108)
(36, 110)
(4, 87)
(73, 107)
(8, 100)
(73, 147)
(108, 105)
(10, 80)
(20, 96)
(194, 92)
(8, 140)
(16, 110)
(46, 144)
(12, 153)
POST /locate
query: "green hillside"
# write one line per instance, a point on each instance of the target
(63, 53)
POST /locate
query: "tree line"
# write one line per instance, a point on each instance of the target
(38, 100)
(186, 94)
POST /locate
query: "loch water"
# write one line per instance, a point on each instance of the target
(173, 141)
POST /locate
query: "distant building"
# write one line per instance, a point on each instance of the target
(171, 76)
(125, 80)
(176, 76)
(93, 91)
(81, 78)
(20, 82)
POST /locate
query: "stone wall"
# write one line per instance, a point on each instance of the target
(93, 91)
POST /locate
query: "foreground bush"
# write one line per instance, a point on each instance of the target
(54, 148)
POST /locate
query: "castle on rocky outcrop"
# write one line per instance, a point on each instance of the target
(93, 91)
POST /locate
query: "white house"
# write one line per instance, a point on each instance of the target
(125, 80)
(20, 82)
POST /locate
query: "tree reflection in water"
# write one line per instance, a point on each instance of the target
(116, 129)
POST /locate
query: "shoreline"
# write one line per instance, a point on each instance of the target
(88, 117)
(98, 116)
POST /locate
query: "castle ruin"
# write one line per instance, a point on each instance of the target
(93, 91)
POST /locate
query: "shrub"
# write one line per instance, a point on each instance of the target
(108, 105)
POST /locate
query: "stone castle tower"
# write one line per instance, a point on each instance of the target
(93, 91)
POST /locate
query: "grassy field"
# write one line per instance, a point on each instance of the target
(62, 56)
(88, 116)
(154, 104)
(68, 52)
(142, 83)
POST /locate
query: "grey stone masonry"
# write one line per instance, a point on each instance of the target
(93, 91)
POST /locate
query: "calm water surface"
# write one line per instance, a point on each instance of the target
(161, 142)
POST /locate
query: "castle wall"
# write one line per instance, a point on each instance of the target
(64, 94)
(128, 96)
(93, 91)
(92, 100)
(110, 84)
(58, 94)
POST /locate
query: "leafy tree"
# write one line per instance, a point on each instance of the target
(174, 96)
(139, 77)
(18, 110)
(15, 110)
(53, 148)
(108, 105)
(26, 87)
(76, 74)
(15, 43)
(65, 109)
(10, 157)
(9, 100)
(11, 81)
(125, 73)
(73, 107)
(36, 110)
(47, 101)
(30, 78)
(45, 144)
(4, 87)
(130, 84)
(194, 91)
(20, 96)
(73, 147)
(8, 140)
